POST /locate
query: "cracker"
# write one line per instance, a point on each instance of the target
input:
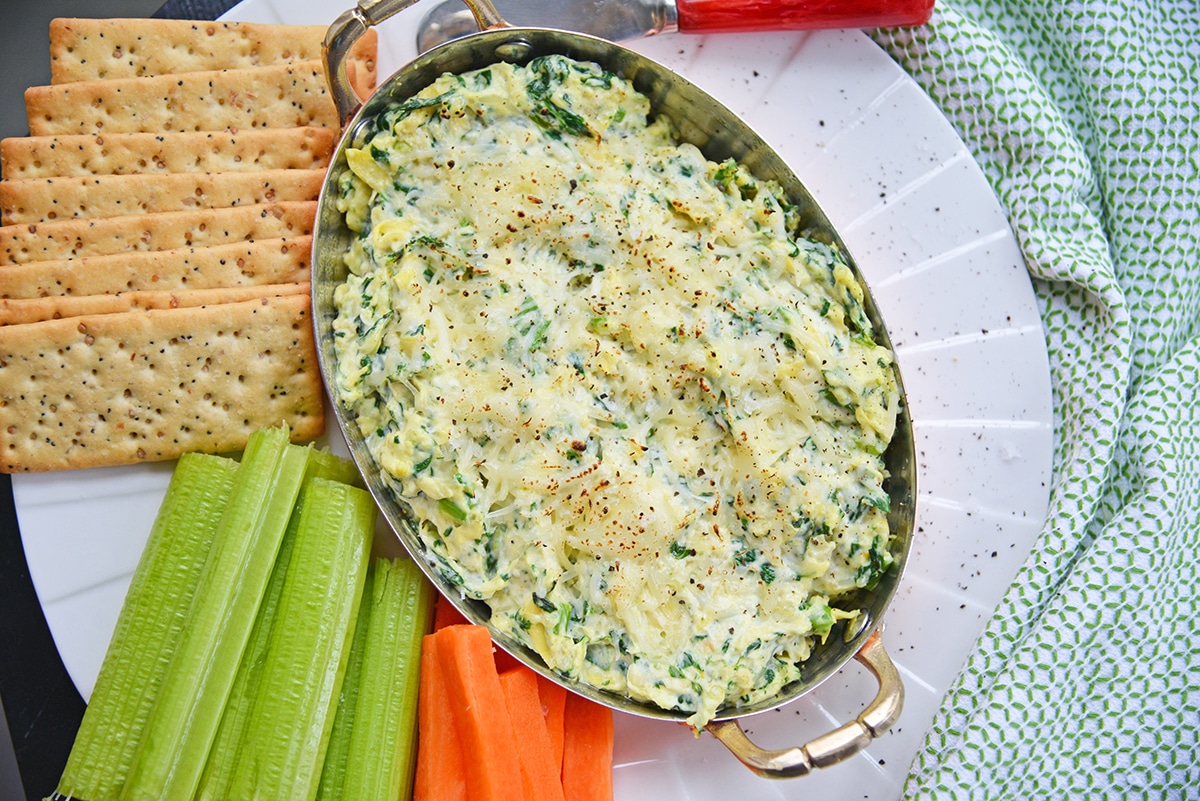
(34, 310)
(282, 96)
(306, 148)
(73, 239)
(34, 200)
(143, 386)
(99, 49)
(265, 261)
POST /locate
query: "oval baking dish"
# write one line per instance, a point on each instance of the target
(696, 119)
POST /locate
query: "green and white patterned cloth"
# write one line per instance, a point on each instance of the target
(1084, 116)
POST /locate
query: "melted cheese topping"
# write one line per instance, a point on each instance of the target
(630, 408)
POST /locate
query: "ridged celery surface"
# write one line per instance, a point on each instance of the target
(333, 773)
(218, 771)
(328, 465)
(283, 748)
(184, 718)
(148, 627)
(382, 747)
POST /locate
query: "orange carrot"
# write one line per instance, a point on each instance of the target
(587, 750)
(440, 769)
(504, 660)
(541, 771)
(446, 614)
(480, 713)
(554, 697)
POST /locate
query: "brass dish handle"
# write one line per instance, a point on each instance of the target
(837, 745)
(352, 24)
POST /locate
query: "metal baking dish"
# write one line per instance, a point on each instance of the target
(719, 134)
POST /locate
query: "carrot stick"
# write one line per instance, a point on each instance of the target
(480, 714)
(505, 661)
(541, 771)
(587, 750)
(446, 614)
(441, 774)
(554, 697)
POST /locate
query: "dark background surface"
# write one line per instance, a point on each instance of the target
(39, 702)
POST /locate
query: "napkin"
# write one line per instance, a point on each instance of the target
(1084, 115)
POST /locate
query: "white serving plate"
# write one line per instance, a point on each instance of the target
(937, 251)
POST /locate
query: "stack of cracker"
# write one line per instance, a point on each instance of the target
(155, 231)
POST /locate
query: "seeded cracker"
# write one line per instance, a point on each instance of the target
(282, 96)
(265, 261)
(36, 310)
(156, 238)
(69, 239)
(98, 49)
(44, 199)
(307, 148)
(151, 385)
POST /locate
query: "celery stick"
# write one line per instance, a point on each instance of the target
(183, 721)
(283, 747)
(383, 742)
(327, 464)
(218, 771)
(148, 627)
(333, 772)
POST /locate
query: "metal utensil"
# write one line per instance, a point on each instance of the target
(622, 20)
(615, 20)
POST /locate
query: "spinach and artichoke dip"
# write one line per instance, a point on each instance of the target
(629, 407)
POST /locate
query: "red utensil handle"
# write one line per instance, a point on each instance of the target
(713, 16)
